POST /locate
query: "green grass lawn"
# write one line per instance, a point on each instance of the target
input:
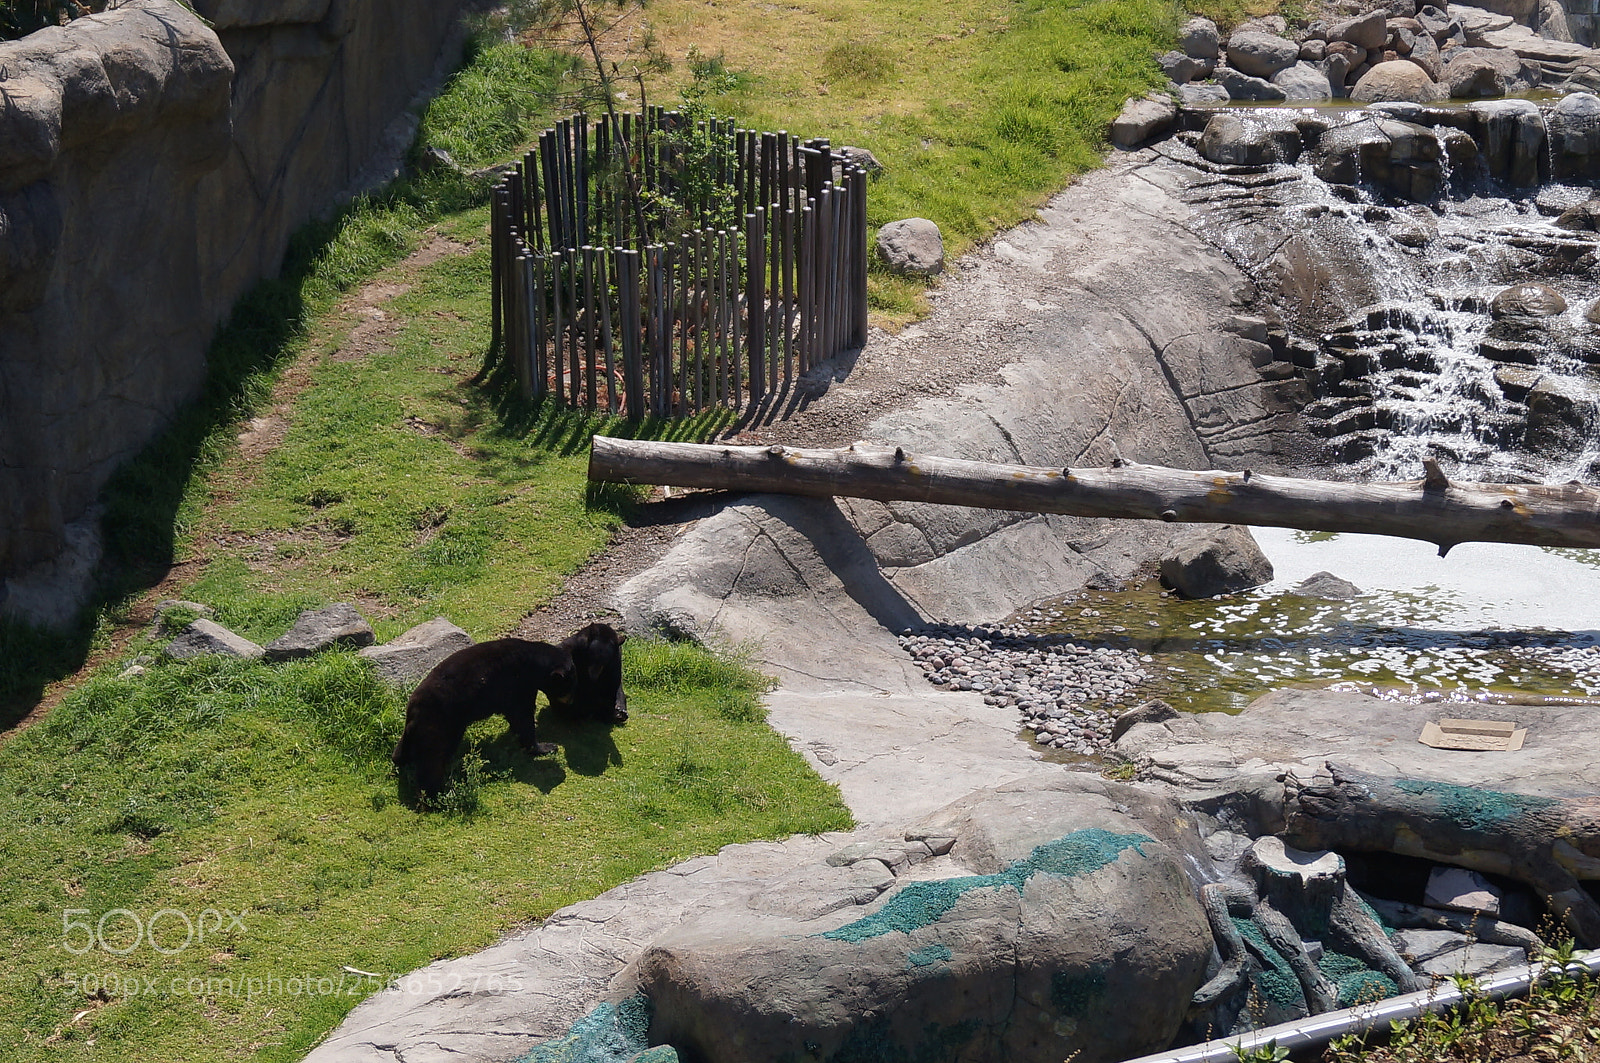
(256, 805)
(978, 109)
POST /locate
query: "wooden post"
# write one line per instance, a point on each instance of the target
(606, 342)
(497, 222)
(572, 278)
(589, 329)
(524, 365)
(632, 367)
(557, 333)
(541, 326)
(755, 249)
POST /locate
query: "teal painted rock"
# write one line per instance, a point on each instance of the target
(1059, 923)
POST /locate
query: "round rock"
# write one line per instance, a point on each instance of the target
(913, 246)
(1528, 300)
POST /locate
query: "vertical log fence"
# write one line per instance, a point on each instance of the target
(651, 266)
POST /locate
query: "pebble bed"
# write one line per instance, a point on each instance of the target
(1068, 692)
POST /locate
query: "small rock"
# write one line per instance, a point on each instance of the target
(1461, 890)
(861, 157)
(168, 605)
(1183, 69)
(913, 246)
(317, 630)
(1153, 711)
(1326, 585)
(1242, 86)
(1583, 217)
(203, 637)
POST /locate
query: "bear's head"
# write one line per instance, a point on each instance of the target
(597, 692)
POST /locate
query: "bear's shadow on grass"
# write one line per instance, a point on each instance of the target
(588, 749)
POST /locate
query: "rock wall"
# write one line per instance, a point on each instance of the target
(153, 168)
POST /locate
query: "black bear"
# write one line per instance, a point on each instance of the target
(501, 677)
(597, 693)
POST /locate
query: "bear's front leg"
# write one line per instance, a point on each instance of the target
(522, 726)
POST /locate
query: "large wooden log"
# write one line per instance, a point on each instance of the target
(1432, 509)
(1552, 844)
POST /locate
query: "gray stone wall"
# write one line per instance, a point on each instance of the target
(153, 168)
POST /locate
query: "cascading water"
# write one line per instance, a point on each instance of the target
(1410, 353)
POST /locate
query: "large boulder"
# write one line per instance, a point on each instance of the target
(203, 638)
(1261, 54)
(1398, 79)
(1058, 923)
(413, 654)
(1511, 139)
(1213, 560)
(1203, 94)
(1303, 81)
(316, 630)
(1402, 157)
(1250, 139)
(912, 245)
(1573, 126)
(1368, 31)
(1241, 86)
(1199, 38)
(1464, 70)
(1141, 120)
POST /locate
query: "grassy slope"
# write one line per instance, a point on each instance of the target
(979, 110)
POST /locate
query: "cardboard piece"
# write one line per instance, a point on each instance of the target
(1487, 736)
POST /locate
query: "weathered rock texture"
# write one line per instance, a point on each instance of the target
(1014, 946)
(151, 170)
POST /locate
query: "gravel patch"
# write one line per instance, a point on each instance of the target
(1066, 691)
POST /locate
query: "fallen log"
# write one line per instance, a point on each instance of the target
(1432, 509)
(1552, 844)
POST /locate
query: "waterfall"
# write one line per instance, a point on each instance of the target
(1398, 234)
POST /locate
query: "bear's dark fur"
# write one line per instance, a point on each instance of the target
(502, 678)
(597, 693)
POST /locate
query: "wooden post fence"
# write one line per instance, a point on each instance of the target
(650, 266)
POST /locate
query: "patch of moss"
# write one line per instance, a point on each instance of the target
(924, 903)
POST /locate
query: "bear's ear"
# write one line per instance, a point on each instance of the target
(621, 639)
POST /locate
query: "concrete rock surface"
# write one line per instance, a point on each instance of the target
(1211, 755)
(1018, 945)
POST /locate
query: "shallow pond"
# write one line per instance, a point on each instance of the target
(1488, 623)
